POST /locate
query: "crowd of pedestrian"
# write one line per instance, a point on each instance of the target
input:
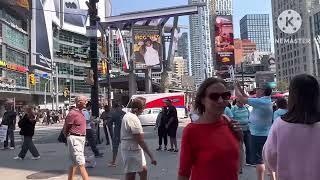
(218, 142)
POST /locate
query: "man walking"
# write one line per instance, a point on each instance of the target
(260, 122)
(75, 131)
(90, 131)
(116, 116)
(9, 119)
(106, 118)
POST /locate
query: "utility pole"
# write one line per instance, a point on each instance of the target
(93, 12)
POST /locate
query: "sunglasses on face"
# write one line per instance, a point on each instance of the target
(216, 96)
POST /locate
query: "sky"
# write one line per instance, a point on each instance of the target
(240, 8)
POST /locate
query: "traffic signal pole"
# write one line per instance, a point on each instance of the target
(93, 12)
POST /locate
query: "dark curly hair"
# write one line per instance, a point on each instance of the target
(201, 93)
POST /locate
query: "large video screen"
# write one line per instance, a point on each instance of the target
(224, 42)
(147, 47)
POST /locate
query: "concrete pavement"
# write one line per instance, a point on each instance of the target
(54, 163)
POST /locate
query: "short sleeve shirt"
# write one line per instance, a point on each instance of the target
(261, 116)
(76, 119)
(131, 125)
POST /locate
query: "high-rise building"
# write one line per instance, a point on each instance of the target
(315, 36)
(200, 37)
(14, 54)
(223, 7)
(293, 51)
(256, 27)
(183, 50)
(242, 48)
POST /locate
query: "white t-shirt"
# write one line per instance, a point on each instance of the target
(151, 57)
(130, 125)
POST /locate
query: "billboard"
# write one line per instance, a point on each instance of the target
(224, 42)
(21, 7)
(147, 47)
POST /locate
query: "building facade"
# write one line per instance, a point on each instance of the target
(315, 37)
(242, 48)
(183, 50)
(201, 31)
(256, 27)
(14, 55)
(293, 57)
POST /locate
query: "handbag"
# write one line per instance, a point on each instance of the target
(62, 138)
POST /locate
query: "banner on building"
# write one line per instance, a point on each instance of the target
(224, 42)
(147, 47)
(122, 50)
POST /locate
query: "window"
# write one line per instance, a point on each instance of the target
(21, 79)
(16, 57)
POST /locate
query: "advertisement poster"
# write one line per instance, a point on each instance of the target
(147, 47)
(224, 41)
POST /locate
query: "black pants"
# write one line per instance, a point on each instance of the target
(10, 135)
(257, 147)
(248, 149)
(109, 125)
(162, 133)
(28, 145)
(91, 137)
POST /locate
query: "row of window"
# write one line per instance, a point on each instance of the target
(16, 57)
(76, 86)
(70, 69)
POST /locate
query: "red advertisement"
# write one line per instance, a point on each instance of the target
(224, 41)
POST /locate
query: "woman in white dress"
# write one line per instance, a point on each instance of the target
(149, 53)
(133, 145)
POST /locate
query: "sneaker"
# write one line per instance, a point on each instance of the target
(165, 148)
(159, 148)
(11, 148)
(176, 150)
(100, 155)
(17, 158)
(35, 158)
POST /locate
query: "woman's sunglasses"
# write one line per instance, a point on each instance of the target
(216, 96)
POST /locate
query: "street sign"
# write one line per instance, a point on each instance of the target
(91, 31)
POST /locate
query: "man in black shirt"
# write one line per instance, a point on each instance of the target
(9, 119)
(172, 125)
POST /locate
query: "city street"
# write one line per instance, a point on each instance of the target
(54, 163)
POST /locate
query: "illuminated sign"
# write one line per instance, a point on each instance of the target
(13, 67)
(224, 42)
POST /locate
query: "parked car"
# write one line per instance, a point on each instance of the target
(149, 116)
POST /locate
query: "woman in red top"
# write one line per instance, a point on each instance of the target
(209, 148)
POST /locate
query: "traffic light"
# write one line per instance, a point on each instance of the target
(66, 92)
(104, 67)
(32, 79)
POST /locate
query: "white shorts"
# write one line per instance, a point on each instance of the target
(133, 160)
(76, 149)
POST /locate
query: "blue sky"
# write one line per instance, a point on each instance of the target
(240, 7)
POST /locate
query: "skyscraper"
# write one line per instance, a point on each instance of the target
(256, 27)
(200, 37)
(200, 42)
(293, 52)
(183, 50)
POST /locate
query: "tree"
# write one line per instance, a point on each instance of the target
(282, 86)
